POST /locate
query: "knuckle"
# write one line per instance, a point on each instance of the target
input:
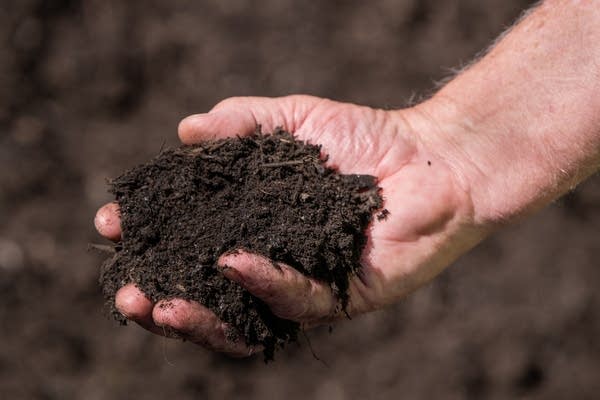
(292, 310)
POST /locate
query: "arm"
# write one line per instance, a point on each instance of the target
(523, 124)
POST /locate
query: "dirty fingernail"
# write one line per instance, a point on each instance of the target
(231, 273)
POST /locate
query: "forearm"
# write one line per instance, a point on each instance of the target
(522, 126)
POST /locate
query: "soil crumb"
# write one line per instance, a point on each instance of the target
(269, 194)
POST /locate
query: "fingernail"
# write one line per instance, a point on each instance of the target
(231, 273)
(188, 122)
(192, 119)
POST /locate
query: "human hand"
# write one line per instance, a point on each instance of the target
(431, 220)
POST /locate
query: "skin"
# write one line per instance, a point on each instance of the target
(504, 138)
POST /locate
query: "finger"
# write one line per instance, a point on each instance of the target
(135, 306)
(241, 115)
(215, 125)
(108, 221)
(199, 325)
(289, 294)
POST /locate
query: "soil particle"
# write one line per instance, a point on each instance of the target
(268, 194)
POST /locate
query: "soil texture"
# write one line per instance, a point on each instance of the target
(268, 194)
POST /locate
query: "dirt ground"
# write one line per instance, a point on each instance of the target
(89, 88)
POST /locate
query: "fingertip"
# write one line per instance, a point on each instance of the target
(217, 124)
(255, 273)
(245, 269)
(289, 293)
(189, 127)
(162, 314)
(132, 303)
(240, 263)
(108, 222)
(173, 313)
(199, 325)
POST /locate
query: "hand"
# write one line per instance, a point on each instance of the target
(431, 220)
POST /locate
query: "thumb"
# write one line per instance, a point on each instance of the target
(240, 116)
(289, 293)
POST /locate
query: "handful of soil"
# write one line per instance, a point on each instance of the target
(268, 194)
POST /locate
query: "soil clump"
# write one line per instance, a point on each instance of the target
(268, 194)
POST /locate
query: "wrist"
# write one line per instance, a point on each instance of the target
(469, 145)
(511, 163)
(437, 206)
(521, 127)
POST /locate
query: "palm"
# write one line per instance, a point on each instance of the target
(424, 232)
(419, 191)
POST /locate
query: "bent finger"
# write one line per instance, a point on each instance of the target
(216, 125)
(288, 293)
(199, 325)
(241, 115)
(108, 221)
(135, 306)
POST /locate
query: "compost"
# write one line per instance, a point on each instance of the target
(266, 193)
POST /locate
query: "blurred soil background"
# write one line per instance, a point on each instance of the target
(90, 88)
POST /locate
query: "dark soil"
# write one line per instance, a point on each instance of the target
(268, 194)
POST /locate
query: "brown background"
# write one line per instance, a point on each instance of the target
(88, 88)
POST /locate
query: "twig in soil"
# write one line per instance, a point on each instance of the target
(205, 156)
(164, 347)
(207, 149)
(297, 189)
(101, 247)
(216, 146)
(267, 193)
(347, 315)
(282, 163)
(311, 348)
(198, 150)
(261, 153)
